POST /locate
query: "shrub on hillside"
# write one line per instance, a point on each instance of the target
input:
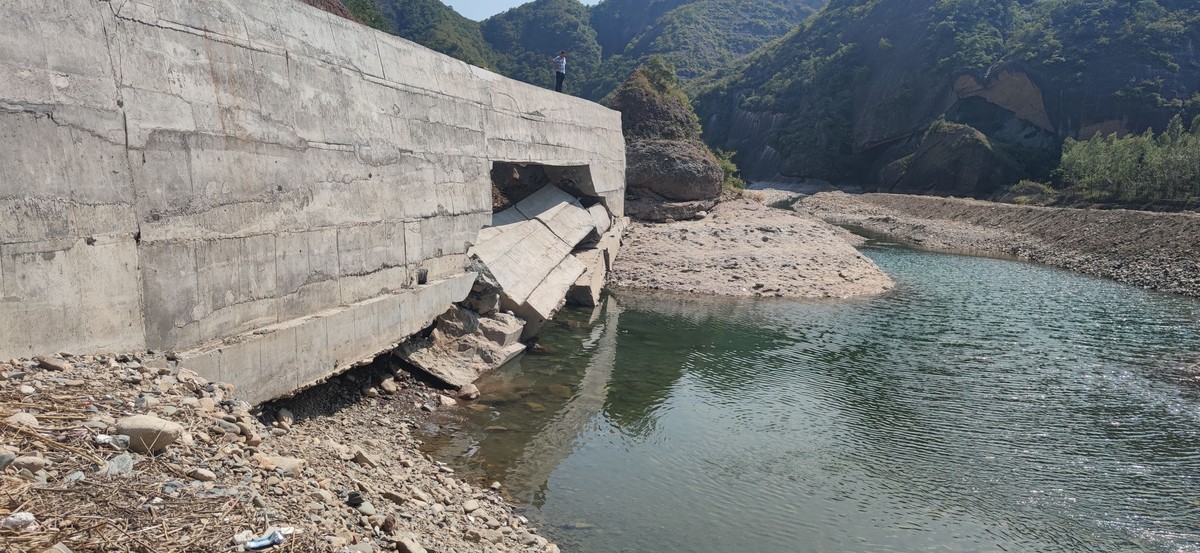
(733, 178)
(1029, 192)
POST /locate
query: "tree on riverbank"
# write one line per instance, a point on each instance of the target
(1140, 168)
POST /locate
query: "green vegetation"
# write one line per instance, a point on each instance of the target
(733, 176)
(1138, 168)
(605, 43)
(1027, 192)
(844, 94)
(370, 12)
(700, 35)
(436, 26)
(528, 36)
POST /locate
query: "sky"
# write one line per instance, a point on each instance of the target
(482, 9)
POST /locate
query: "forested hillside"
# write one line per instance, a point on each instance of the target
(852, 95)
(528, 35)
(606, 42)
(429, 23)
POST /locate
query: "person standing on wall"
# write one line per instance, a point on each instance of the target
(560, 70)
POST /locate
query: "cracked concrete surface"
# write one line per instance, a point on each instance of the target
(254, 184)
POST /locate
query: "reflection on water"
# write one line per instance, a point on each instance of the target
(986, 405)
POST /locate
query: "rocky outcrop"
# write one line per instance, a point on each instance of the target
(952, 159)
(665, 158)
(1010, 89)
(655, 210)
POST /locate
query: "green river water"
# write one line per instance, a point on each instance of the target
(985, 405)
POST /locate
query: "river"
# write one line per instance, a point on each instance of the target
(984, 405)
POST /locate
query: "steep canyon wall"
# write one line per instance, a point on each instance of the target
(271, 191)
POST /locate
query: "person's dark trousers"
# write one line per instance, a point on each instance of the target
(559, 80)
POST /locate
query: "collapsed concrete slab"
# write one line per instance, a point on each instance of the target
(548, 298)
(528, 250)
(561, 213)
(610, 243)
(545, 251)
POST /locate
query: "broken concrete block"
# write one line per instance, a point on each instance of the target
(458, 322)
(499, 357)
(508, 217)
(586, 289)
(610, 243)
(549, 296)
(503, 329)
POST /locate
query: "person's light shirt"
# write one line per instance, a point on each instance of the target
(560, 63)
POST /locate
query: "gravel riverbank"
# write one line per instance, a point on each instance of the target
(334, 469)
(744, 248)
(1157, 251)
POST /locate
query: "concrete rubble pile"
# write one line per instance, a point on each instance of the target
(133, 452)
(544, 252)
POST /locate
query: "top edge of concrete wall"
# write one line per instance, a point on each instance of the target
(292, 26)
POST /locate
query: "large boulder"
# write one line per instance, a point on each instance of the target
(679, 170)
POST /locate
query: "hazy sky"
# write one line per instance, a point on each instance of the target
(482, 9)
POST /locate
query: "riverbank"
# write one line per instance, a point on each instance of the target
(222, 472)
(1151, 250)
(745, 248)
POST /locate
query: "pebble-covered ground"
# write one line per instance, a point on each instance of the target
(1158, 251)
(133, 453)
(745, 248)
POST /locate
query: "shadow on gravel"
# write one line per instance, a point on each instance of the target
(351, 387)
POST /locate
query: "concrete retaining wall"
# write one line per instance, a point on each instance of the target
(254, 184)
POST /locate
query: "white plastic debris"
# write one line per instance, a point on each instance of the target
(19, 521)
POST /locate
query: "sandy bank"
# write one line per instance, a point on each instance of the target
(744, 248)
(1152, 250)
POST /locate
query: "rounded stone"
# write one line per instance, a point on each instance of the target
(32, 464)
(148, 434)
(23, 419)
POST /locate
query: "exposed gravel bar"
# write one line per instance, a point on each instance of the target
(1159, 251)
(744, 248)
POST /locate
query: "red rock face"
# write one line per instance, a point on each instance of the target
(332, 6)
